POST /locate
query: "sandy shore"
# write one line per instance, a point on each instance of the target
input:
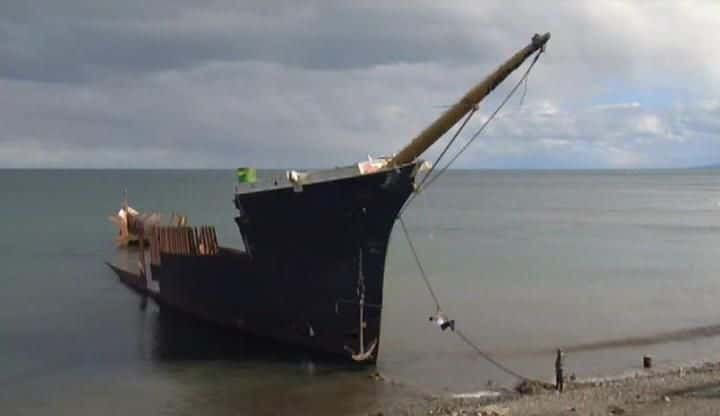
(681, 391)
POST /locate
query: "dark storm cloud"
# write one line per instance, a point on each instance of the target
(65, 41)
(279, 83)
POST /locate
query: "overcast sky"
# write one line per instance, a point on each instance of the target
(220, 84)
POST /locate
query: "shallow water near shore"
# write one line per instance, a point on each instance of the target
(526, 262)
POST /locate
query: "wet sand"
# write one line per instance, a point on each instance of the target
(693, 390)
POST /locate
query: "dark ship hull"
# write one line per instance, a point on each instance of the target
(312, 271)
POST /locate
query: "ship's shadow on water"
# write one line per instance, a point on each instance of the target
(176, 337)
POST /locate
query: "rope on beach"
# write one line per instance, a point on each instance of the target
(428, 180)
(488, 357)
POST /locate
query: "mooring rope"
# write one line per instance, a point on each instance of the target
(456, 330)
(427, 181)
(417, 261)
(488, 357)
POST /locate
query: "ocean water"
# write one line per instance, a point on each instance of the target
(525, 262)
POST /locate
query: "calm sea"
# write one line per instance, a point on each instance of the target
(524, 261)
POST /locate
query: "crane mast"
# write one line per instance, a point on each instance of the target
(455, 113)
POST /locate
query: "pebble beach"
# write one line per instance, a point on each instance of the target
(690, 390)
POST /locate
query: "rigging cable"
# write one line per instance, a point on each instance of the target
(437, 160)
(522, 97)
(485, 124)
(427, 182)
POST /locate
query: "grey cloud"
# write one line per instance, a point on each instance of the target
(49, 43)
(278, 83)
(622, 135)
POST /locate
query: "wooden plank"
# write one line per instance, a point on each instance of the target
(193, 242)
(201, 239)
(186, 233)
(191, 239)
(197, 241)
(208, 243)
(183, 240)
(216, 249)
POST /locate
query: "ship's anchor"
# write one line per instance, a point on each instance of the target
(362, 354)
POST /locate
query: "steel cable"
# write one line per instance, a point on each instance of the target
(427, 182)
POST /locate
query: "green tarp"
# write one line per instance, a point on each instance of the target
(247, 175)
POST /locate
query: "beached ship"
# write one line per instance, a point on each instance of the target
(312, 267)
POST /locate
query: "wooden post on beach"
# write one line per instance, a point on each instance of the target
(647, 362)
(559, 376)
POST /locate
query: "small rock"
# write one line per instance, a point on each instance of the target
(494, 410)
(616, 410)
(533, 387)
(375, 376)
